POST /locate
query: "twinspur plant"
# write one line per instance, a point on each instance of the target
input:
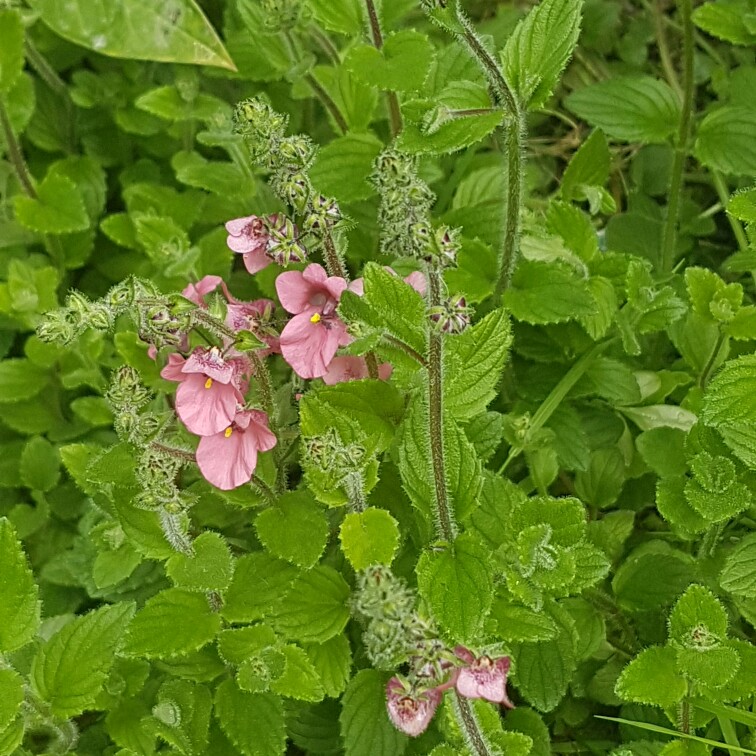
(377, 377)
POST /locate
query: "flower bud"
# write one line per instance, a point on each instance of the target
(453, 316)
(296, 152)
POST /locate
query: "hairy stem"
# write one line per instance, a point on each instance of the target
(724, 196)
(372, 365)
(406, 348)
(266, 389)
(445, 525)
(681, 147)
(395, 114)
(470, 726)
(333, 261)
(15, 154)
(670, 74)
(328, 102)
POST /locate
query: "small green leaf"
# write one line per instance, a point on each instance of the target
(518, 623)
(172, 32)
(11, 48)
(589, 166)
(20, 379)
(698, 618)
(365, 725)
(728, 20)
(181, 716)
(457, 584)
(652, 678)
(629, 108)
(601, 483)
(40, 464)
(294, 529)
(538, 50)
(342, 16)
(315, 607)
(253, 722)
(342, 167)
(188, 615)
(725, 141)
(333, 661)
(739, 573)
(210, 568)
(300, 679)
(70, 668)
(57, 209)
(11, 689)
(369, 537)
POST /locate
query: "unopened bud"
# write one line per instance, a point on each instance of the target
(453, 316)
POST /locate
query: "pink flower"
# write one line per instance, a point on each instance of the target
(351, 368)
(249, 237)
(483, 677)
(416, 280)
(409, 711)
(228, 459)
(253, 316)
(309, 341)
(207, 396)
(196, 292)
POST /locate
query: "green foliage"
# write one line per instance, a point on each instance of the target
(369, 537)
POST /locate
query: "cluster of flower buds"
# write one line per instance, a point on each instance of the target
(281, 15)
(451, 316)
(78, 315)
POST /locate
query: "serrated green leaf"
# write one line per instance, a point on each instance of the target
(342, 167)
(724, 141)
(663, 451)
(315, 607)
(18, 592)
(365, 725)
(181, 716)
(188, 615)
(253, 722)
(369, 537)
(519, 623)
(728, 20)
(57, 209)
(739, 572)
(589, 166)
(342, 16)
(40, 464)
(652, 678)
(300, 679)
(601, 483)
(698, 619)
(294, 529)
(11, 689)
(539, 48)
(333, 661)
(174, 32)
(192, 169)
(457, 584)
(11, 48)
(69, 669)
(473, 363)
(400, 65)
(629, 108)
(210, 568)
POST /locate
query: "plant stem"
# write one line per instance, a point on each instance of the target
(372, 365)
(395, 114)
(470, 726)
(328, 102)
(681, 147)
(445, 525)
(661, 42)
(724, 196)
(15, 154)
(333, 259)
(706, 372)
(406, 348)
(266, 390)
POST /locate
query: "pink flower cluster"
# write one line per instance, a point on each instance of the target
(477, 677)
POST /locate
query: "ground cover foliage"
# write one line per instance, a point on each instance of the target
(377, 377)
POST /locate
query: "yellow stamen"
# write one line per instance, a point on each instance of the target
(228, 432)
(315, 318)
(208, 383)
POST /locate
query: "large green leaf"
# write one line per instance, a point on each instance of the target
(725, 141)
(171, 31)
(728, 20)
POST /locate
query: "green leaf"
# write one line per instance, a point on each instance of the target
(333, 661)
(660, 416)
(601, 483)
(11, 48)
(725, 142)
(544, 293)
(19, 606)
(457, 584)
(473, 363)
(698, 618)
(652, 678)
(300, 679)
(728, 20)
(343, 16)
(369, 537)
(400, 65)
(173, 32)
(538, 50)
(210, 568)
(181, 716)
(188, 615)
(11, 689)
(294, 529)
(729, 405)
(663, 451)
(342, 167)
(714, 491)
(739, 572)
(253, 722)
(69, 669)
(315, 607)
(629, 108)
(589, 166)
(518, 623)
(40, 464)
(365, 725)
(20, 379)
(57, 209)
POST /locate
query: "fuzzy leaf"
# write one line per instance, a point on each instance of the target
(210, 568)
(57, 209)
(332, 661)
(652, 678)
(369, 537)
(697, 612)
(725, 141)
(589, 166)
(70, 668)
(300, 679)
(40, 464)
(11, 693)
(739, 573)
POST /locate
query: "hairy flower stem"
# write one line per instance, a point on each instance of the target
(15, 154)
(669, 242)
(395, 114)
(266, 389)
(514, 140)
(333, 261)
(470, 726)
(445, 525)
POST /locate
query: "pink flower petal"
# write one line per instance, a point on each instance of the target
(210, 363)
(418, 282)
(256, 260)
(411, 714)
(172, 371)
(293, 291)
(206, 409)
(227, 461)
(309, 347)
(197, 292)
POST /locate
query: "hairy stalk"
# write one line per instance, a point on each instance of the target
(264, 489)
(661, 42)
(681, 147)
(328, 102)
(470, 726)
(15, 154)
(406, 348)
(724, 197)
(372, 365)
(266, 389)
(445, 525)
(333, 261)
(709, 367)
(395, 114)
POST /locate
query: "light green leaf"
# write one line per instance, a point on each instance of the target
(172, 31)
(589, 166)
(400, 65)
(300, 679)
(601, 483)
(341, 168)
(188, 615)
(473, 363)
(728, 20)
(11, 689)
(660, 416)
(315, 607)
(538, 50)
(181, 716)
(739, 573)
(295, 529)
(630, 108)
(253, 722)
(365, 725)
(40, 464)
(698, 618)
(210, 568)
(69, 669)
(343, 16)
(725, 141)
(652, 678)
(333, 661)
(457, 584)
(19, 606)
(57, 209)
(518, 623)
(369, 537)
(11, 48)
